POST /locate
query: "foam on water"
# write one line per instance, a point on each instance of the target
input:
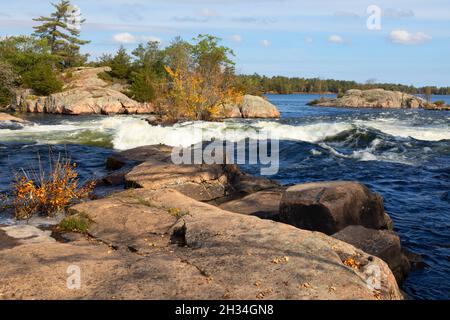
(404, 129)
(125, 132)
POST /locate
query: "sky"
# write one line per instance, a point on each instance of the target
(398, 41)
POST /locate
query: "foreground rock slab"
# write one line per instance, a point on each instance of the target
(160, 244)
(329, 207)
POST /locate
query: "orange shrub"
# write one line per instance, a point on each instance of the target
(48, 195)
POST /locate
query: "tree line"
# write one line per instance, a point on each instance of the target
(259, 84)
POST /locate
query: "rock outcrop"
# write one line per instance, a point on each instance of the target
(384, 244)
(84, 93)
(185, 249)
(263, 204)
(329, 207)
(374, 98)
(151, 167)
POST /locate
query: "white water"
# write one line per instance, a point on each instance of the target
(127, 132)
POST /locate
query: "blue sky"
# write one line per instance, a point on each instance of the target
(320, 38)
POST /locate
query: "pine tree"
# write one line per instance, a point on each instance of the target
(121, 64)
(62, 31)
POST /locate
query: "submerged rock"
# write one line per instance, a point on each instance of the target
(4, 117)
(374, 98)
(329, 207)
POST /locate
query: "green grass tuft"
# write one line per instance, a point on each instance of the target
(77, 223)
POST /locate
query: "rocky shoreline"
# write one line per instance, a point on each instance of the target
(377, 98)
(86, 93)
(210, 232)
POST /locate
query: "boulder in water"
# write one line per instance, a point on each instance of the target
(257, 107)
(250, 107)
(384, 244)
(329, 207)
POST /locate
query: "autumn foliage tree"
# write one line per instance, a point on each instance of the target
(202, 81)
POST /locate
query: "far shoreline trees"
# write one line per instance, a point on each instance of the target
(259, 84)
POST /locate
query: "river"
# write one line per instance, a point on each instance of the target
(402, 154)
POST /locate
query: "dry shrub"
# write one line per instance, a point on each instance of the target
(48, 194)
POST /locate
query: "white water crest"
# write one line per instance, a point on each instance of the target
(139, 133)
(125, 132)
(394, 127)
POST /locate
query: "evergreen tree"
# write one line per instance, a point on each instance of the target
(121, 64)
(62, 31)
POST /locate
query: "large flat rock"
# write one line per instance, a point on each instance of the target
(160, 244)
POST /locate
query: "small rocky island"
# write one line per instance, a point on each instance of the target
(84, 93)
(209, 232)
(376, 98)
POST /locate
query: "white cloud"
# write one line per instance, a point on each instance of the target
(309, 40)
(336, 39)
(408, 38)
(265, 43)
(236, 38)
(128, 38)
(124, 37)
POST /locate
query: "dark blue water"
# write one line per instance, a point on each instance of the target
(402, 154)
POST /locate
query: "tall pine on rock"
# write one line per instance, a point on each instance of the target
(62, 31)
